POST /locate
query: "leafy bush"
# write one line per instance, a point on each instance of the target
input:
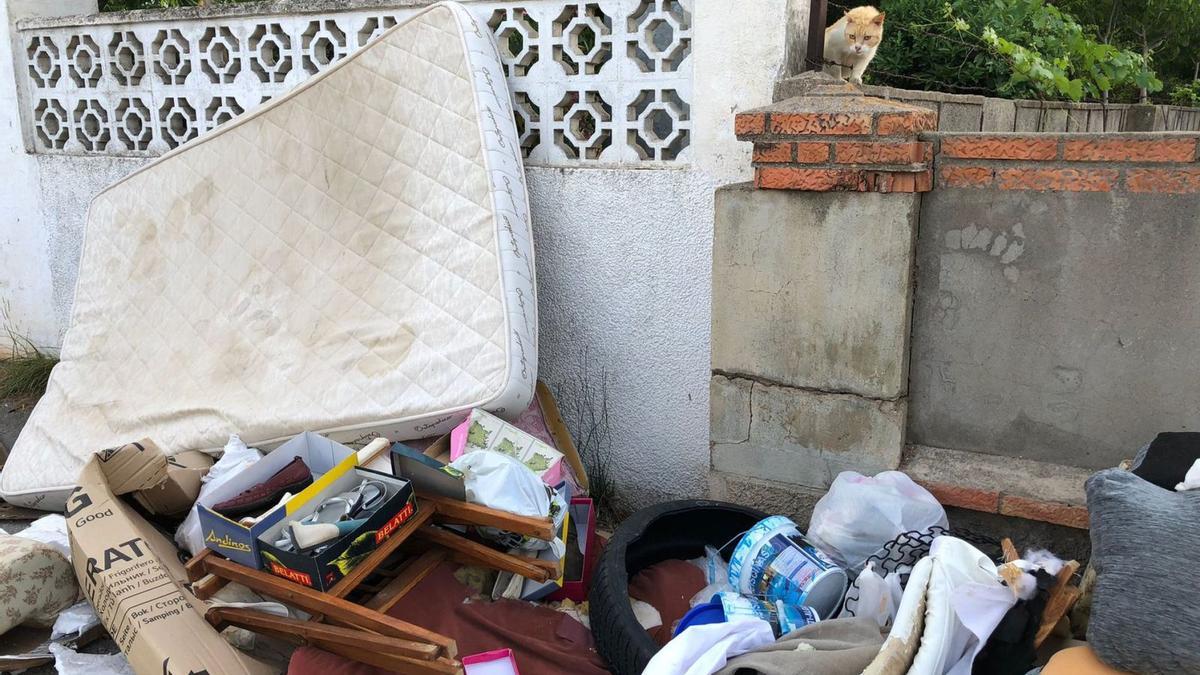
(1187, 94)
(124, 5)
(1010, 48)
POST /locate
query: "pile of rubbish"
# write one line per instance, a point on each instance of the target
(880, 584)
(317, 542)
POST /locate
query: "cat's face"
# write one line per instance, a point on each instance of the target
(863, 35)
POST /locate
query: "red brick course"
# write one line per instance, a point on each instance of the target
(1000, 147)
(833, 179)
(966, 176)
(812, 153)
(906, 123)
(1046, 512)
(1167, 181)
(773, 153)
(1057, 180)
(1130, 150)
(820, 124)
(745, 124)
(964, 497)
(795, 178)
(871, 152)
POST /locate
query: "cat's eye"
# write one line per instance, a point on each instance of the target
(851, 36)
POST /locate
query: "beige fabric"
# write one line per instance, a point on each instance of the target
(900, 646)
(354, 258)
(36, 583)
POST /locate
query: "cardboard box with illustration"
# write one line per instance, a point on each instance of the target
(132, 575)
(331, 559)
(238, 541)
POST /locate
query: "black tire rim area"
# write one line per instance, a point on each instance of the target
(678, 530)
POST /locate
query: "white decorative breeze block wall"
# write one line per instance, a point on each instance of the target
(594, 83)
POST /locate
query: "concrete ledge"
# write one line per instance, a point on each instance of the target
(1021, 488)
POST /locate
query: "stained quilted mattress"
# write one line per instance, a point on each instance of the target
(352, 258)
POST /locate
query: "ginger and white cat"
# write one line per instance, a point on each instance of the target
(850, 43)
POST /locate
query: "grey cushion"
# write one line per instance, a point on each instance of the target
(1146, 553)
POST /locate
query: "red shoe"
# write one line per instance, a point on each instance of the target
(292, 478)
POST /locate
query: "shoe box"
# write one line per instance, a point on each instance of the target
(324, 569)
(240, 543)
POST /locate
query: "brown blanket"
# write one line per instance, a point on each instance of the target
(545, 642)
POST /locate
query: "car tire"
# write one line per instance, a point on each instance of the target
(679, 529)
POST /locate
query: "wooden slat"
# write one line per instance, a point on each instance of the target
(361, 571)
(464, 513)
(474, 553)
(1010, 551)
(439, 666)
(410, 576)
(1062, 598)
(208, 586)
(336, 610)
(195, 567)
(369, 648)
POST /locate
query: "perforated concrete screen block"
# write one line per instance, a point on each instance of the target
(352, 258)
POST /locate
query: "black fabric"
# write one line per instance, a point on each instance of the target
(1010, 650)
(1168, 458)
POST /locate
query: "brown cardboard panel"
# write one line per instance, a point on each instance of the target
(179, 489)
(561, 435)
(132, 576)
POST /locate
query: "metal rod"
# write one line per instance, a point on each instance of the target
(818, 11)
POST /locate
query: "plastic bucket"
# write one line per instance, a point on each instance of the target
(733, 607)
(773, 561)
(782, 617)
(709, 612)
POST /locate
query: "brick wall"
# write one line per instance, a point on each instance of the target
(1164, 162)
(839, 144)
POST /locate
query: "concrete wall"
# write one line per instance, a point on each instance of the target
(965, 112)
(1053, 328)
(1061, 325)
(25, 280)
(623, 254)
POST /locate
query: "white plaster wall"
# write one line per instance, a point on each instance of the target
(25, 279)
(624, 255)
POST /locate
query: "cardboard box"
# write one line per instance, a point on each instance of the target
(582, 551)
(132, 576)
(429, 476)
(497, 662)
(179, 487)
(240, 543)
(484, 431)
(326, 569)
(541, 419)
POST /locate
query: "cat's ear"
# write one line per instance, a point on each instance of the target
(878, 20)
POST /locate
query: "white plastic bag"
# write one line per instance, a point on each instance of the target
(236, 458)
(502, 482)
(860, 514)
(716, 575)
(871, 597)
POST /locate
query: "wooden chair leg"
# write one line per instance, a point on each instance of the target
(336, 610)
(395, 590)
(472, 552)
(369, 648)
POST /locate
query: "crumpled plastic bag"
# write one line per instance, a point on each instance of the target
(50, 530)
(871, 597)
(67, 661)
(236, 458)
(860, 514)
(716, 575)
(502, 482)
(74, 620)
